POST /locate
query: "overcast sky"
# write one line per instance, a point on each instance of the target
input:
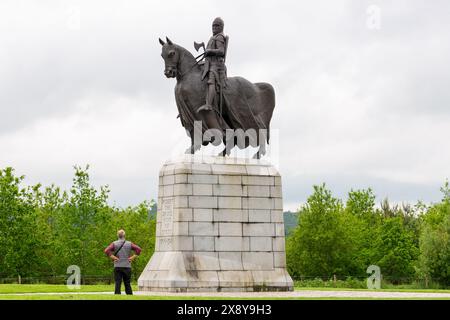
(362, 90)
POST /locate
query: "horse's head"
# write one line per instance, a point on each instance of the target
(171, 58)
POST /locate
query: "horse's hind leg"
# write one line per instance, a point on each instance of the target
(193, 147)
(226, 149)
(261, 151)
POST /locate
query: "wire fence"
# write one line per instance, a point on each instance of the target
(62, 279)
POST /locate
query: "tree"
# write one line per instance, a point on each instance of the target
(434, 260)
(365, 228)
(395, 250)
(321, 245)
(17, 227)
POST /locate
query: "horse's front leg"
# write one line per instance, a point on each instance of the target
(194, 147)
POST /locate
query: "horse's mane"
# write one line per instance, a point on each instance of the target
(186, 56)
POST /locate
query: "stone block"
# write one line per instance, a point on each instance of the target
(232, 244)
(168, 180)
(230, 215)
(182, 168)
(258, 215)
(203, 178)
(277, 204)
(228, 229)
(279, 229)
(182, 189)
(258, 191)
(257, 170)
(273, 171)
(257, 203)
(183, 243)
(205, 215)
(261, 244)
(164, 244)
(201, 168)
(169, 169)
(230, 261)
(279, 244)
(230, 202)
(221, 169)
(205, 202)
(227, 190)
(201, 261)
(259, 230)
(180, 229)
(203, 229)
(275, 191)
(226, 179)
(155, 261)
(203, 279)
(258, 181)
(180, 202)
(168, 190)
(181, 178)
(202, 189)
(235, 278)
(203, 243)
(279, 259)
(277, 181)
(182, 214)
(257, 260)
(277, 216)
(272, 278)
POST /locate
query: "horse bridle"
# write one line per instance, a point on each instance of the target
(196, 63)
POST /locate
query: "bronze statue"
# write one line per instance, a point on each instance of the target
(232, 104)
(214, 69)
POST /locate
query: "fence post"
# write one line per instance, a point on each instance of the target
(334, 280)
(19, 279)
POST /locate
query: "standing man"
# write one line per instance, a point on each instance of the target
(215, 69)
(119, 251)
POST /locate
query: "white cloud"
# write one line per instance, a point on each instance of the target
(355, 107)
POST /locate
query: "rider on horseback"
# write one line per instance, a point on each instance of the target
(214, 67)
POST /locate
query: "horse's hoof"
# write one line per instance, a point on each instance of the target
(257, 156)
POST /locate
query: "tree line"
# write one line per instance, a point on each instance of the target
(406, 241)
(43, 230)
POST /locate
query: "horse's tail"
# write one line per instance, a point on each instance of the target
(267, 99)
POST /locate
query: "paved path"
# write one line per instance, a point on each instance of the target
(308, 294)
(295, 294)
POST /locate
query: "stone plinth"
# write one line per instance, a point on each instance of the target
(219, 228)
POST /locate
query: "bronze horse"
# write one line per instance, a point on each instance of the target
(247, 106)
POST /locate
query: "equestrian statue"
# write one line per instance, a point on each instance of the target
(204, 93)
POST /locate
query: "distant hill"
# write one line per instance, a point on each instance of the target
(290, 221)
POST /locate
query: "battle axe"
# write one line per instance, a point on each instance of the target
(197, 46)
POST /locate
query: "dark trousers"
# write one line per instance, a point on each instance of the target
(125, 274)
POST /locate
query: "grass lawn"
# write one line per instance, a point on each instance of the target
(43, 288)
(7, 292)
(123, 297)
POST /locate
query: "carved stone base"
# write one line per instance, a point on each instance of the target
(219, 228)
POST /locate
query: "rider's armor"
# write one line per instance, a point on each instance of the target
(215, 64)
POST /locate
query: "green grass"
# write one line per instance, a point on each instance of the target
(30, 293)
(381, 290)
(123, 297)
(43, 288)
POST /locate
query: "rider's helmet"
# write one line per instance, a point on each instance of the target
(217, 25)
